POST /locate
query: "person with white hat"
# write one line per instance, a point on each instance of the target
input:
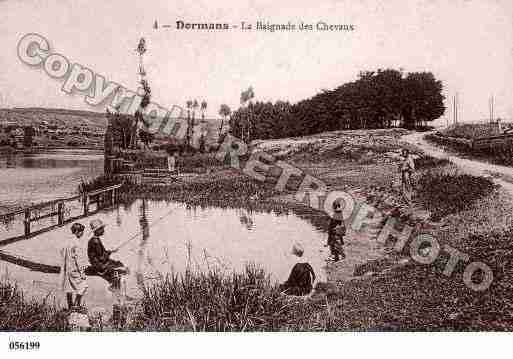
(99, 257)
(301, 278)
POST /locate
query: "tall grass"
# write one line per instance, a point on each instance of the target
(20, 313)
(214, 301)
(222, 192)
(197, 162)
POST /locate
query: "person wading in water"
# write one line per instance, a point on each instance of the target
(336, 233)
(99, 257)
(73, 278)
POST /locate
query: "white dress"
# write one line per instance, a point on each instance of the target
(72, 276)
(171, 163)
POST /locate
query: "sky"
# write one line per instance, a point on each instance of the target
(467, 44)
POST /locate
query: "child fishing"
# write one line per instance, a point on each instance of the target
(101, 263)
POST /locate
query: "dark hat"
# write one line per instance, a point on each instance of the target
(77, 228)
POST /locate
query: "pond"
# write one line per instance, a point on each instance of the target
(27, 178)
(169, 237)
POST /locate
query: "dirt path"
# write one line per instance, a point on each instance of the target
(471, 166)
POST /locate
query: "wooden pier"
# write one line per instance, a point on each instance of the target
(102, 198)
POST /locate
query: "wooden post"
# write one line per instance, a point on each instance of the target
(113, 196)
(60, 213)
(27, 221)
(85, 201)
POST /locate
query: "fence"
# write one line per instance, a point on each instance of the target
(56, 213)
(499, 141)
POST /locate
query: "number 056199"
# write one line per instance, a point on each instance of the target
(13, 345)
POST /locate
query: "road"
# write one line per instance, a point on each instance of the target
(471, 166)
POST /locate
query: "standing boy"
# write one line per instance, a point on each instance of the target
(336, 232)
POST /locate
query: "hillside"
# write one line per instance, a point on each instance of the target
(34, 116)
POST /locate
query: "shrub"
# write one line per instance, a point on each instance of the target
(448, 193)
(427, 162)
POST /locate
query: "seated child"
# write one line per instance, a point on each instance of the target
(301, 278)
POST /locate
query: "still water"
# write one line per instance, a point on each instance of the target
(169, 237)
(27, 178)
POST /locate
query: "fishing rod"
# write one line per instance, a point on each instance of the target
(134, 236)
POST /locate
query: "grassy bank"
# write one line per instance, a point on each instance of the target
(205, 301)
(19, 313)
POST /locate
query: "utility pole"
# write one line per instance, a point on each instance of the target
(455, 108)
(491, 108)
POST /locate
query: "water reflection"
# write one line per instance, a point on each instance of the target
(159, 237)
(27, 178)
(50, 159)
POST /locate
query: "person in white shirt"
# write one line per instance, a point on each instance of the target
(72, 275)
(407, 168)
(171, 162)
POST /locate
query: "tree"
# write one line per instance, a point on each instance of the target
(28, 134)
(376, 99)
(424, 99)
(190, 123)
(146, 137)
(224, 112)
(203, 109)
(120, 128)
(245, 98)
(145, 101)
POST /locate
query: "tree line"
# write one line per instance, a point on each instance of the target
(377, 99)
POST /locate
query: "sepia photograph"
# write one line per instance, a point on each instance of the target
(254, 166)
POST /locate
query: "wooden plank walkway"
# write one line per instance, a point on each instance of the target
(103, 198)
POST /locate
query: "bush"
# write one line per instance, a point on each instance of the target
(448, 193)
(427, 162)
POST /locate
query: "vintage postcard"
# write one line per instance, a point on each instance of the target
(256, 166)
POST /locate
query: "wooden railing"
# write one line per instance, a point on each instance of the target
(479, 143)
(102, 198)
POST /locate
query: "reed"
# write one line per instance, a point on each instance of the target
(19, 313)
(219, 301)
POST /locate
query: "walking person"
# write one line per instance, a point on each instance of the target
(407, 168)
(336, 233)
(171, 161)
(73, 278)
(99, 257)
(301, 278)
